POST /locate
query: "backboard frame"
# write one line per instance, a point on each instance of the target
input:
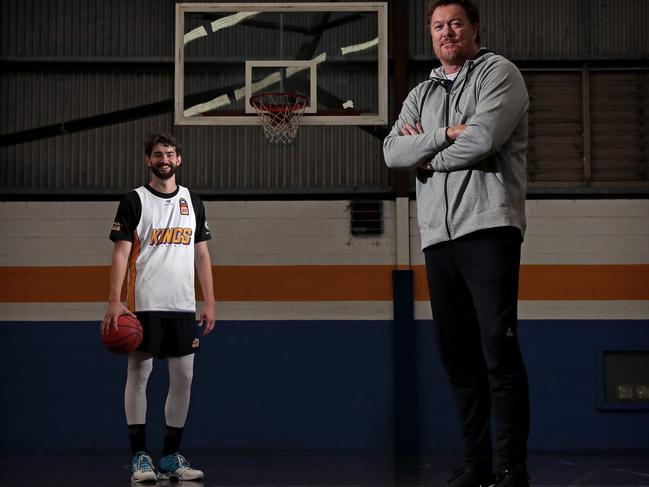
(180, 118)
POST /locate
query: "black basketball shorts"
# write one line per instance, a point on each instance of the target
(169, 334)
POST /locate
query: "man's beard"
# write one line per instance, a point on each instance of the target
(163, 175)
(447, 55)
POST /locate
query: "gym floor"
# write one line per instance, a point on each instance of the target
(317, 470)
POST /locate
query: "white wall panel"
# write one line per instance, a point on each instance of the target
(316, 233)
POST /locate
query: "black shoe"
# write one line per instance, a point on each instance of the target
(513, 477)
(467, 477)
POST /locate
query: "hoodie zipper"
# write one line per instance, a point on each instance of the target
(448, 227)
(447, 106)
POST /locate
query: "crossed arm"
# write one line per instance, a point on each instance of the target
(451, 134)
(501, 104)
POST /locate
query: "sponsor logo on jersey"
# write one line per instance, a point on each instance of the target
(170, 236)
(184, 207)
(116, 226)
(196, 343)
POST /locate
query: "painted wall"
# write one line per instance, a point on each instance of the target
(305, 356)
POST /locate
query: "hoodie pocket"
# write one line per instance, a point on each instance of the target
(492, 171)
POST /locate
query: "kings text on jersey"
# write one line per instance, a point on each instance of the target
(166, 236)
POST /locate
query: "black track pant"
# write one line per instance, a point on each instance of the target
(473, 285)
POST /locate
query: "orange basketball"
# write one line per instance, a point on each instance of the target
(126, 338)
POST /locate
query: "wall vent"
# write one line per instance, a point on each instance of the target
(366, 217)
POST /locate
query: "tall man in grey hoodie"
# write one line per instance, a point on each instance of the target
(465, 131)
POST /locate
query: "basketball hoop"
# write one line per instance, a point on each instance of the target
(280, 115)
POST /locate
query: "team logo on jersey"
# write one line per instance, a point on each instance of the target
(116, 226)
(167, 236)
(184, 207)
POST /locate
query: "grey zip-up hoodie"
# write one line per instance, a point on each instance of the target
(479, 180)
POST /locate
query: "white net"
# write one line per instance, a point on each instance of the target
(280, 115)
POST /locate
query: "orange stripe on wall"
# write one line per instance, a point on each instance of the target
(303, 283)
(584, 282)
(571, 282)
(54, 284)
(327, 283)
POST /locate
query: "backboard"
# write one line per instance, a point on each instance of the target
(335, 54)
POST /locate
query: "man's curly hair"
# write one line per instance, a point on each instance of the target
(164, 139)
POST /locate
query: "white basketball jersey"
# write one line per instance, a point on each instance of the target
(161, 265)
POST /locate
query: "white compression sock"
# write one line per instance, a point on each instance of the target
(181, 371)
(140, 366)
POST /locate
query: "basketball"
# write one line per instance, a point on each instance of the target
(126, 338)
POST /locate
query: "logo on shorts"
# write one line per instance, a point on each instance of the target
(196, 343)
(184, 207)
(510, 332)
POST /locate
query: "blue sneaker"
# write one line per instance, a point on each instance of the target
(142, 468)
(177, 467)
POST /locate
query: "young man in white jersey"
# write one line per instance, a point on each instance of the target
(160, 236)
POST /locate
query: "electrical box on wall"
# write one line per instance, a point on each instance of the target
(625, 379)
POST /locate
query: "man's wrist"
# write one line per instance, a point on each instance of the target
(448, 139)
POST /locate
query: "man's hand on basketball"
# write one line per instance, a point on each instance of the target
(207, 317)
(114, 310)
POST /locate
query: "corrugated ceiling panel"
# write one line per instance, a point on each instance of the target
(36, 99)
(87, 28)
(419, 37)
(322, 158)
(218, 160)
(96, 161)
(551, 29)
(619, 28)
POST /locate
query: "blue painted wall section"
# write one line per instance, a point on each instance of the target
(304, 385)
